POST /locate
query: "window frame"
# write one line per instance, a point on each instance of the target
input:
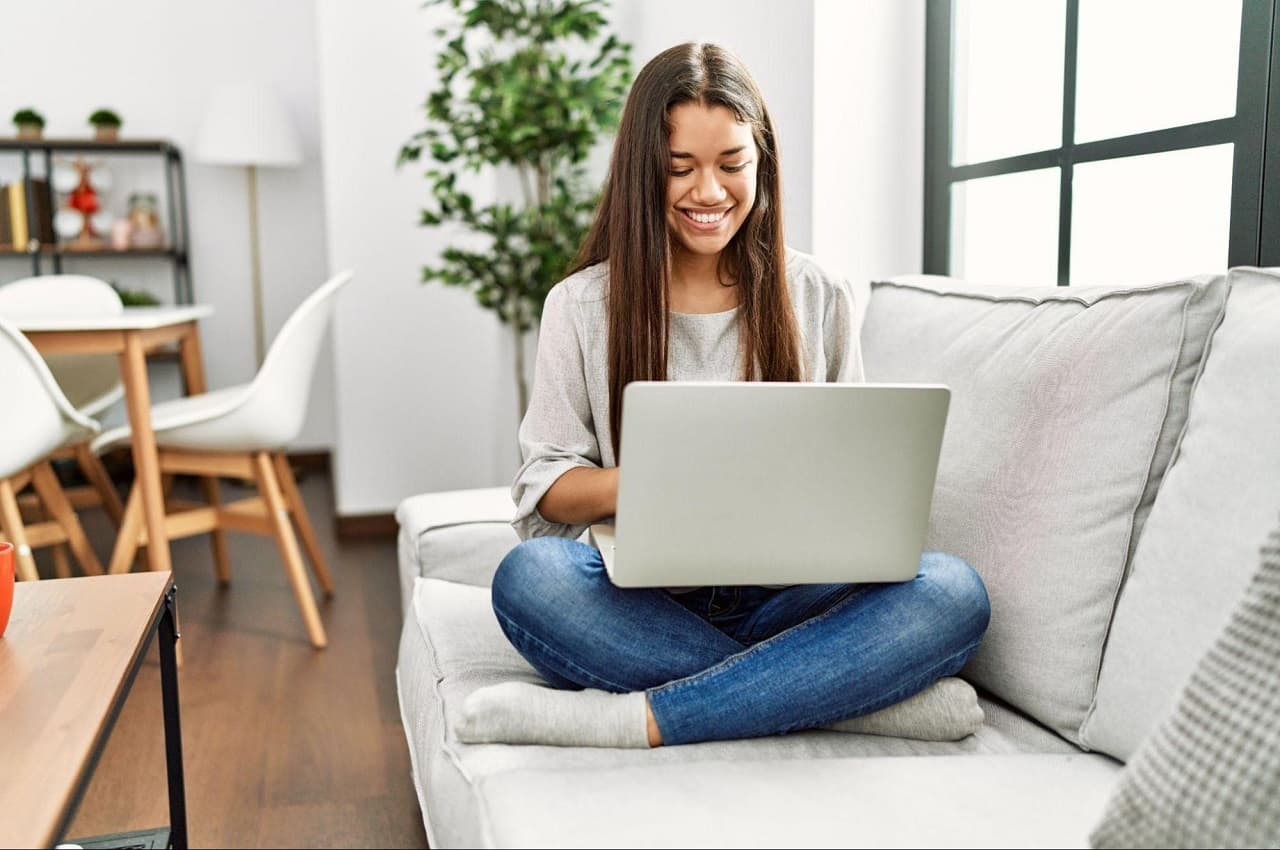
(1254, 237)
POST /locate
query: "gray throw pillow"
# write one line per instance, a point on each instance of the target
(1209, 775)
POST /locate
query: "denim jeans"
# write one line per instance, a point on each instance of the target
(738, 662)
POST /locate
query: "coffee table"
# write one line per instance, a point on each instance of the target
(67, 662)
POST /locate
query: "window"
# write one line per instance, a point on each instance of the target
(1094, 141)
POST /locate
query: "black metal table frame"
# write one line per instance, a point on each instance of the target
(164, 621)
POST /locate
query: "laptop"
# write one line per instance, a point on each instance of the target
(772, 483)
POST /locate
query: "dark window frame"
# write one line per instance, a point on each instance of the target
(1254, 237)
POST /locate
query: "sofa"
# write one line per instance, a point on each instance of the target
(1111, 466)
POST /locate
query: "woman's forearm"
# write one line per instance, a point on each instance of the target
(581, 496)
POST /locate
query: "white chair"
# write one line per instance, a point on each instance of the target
(240, 432)
(91, 382)
(35, 421)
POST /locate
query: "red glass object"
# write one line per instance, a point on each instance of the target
(6, 585)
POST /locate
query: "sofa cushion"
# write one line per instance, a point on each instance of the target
(1012, 801)
(452, 644)
(1209, 775)
(1217, 503)
(458, 535)
(1065, 407)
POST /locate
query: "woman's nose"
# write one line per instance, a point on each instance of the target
(707, 190)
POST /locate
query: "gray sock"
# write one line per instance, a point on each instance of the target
(520, 713)
(947, 710)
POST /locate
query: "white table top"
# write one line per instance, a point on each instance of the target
(132, 319)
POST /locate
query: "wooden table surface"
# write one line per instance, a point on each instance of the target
(63, 664)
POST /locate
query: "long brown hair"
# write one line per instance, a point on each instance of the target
(630, 229)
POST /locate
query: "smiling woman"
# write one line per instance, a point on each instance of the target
(685, 277)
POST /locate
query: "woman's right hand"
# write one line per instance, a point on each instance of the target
(581, 496)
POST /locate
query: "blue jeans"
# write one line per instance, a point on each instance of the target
(738, 662)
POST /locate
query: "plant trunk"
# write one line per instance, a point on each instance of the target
(522, 385)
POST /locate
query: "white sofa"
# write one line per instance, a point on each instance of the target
(1111, 466)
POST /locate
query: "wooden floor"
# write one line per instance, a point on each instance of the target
(284, 746)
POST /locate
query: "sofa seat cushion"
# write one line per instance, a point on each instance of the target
(1218, 501)
(451, 644)
(458, 535)
(981, 801)
(1066, 404)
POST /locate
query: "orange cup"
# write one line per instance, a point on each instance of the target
(6, 585)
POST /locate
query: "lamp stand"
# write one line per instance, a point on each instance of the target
(259, 347)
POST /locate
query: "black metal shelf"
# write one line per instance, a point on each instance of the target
(175, 194)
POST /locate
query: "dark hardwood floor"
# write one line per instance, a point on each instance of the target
(284, 746)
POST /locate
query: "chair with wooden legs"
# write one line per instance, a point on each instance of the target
(36, 420)
(91, 382)
(240, 432)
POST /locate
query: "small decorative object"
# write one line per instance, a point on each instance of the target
(6, 585)
(82, 199)
(30, 123)
(106, 125)
(121, 231)
(144, 221)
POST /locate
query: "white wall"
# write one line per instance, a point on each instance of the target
(155, 62)
(426, 397)
(868, 138)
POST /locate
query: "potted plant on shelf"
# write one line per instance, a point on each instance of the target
(30, 123)
(524, 89)
(106, 125)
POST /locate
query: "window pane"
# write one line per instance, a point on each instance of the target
(1149, 218)
(1007, 93)
(1005, 229)
(1151, 64)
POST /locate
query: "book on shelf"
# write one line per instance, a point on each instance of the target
(27, 214)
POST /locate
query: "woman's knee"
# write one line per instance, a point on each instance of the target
(961, 590)
(542, 573)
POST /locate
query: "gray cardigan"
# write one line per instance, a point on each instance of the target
(567, 424)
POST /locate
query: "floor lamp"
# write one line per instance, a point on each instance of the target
(245, 125)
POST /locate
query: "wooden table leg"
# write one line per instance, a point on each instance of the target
(146, 460)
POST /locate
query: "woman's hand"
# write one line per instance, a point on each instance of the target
(581, 496)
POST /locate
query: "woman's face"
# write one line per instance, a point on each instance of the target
(711, 186)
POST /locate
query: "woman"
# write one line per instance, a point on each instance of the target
(684, 276)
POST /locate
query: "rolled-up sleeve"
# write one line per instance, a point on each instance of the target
(557, 433)
(840, 337)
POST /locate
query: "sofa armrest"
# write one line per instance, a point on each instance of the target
(459, 536)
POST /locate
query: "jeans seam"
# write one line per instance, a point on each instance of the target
(731, 661)
(556, 654)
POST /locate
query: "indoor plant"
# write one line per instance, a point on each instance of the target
(525, 87)
(30, 123)
(106, 125)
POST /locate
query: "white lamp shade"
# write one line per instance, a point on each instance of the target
(245, 124)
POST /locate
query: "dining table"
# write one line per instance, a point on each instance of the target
(132, 335)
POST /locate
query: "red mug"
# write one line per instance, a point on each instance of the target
(6, 585)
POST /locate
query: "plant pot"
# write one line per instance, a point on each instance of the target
(30, 131)
(106, 133)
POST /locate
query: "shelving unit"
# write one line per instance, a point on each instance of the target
(175, 194)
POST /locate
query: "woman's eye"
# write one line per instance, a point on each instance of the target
(734, 169)
(681, 172)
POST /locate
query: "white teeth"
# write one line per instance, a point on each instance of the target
(704, 218)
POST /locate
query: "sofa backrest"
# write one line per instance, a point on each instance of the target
(1219, 499)
(1066, 406)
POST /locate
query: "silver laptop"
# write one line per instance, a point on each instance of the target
(773, 483)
